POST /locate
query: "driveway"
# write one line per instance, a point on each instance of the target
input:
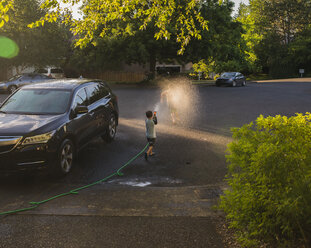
(164, 202)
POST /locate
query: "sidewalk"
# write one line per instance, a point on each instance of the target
(120, 216)
(288, 80)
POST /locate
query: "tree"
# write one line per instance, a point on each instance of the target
(37, 47)
(271, 26)
(222, 47)
(112, 52)
(250, 35)
(300, 50)
(118, 18)
(5, 6)
(285, 18)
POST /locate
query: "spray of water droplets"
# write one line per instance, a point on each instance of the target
(179, 101)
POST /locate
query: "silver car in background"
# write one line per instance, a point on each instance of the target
(20, 80)
(52, 72)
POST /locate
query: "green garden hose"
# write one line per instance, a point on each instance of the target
(75, 191)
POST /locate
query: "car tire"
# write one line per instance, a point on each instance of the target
(234, 84)
(111, 129)
(244, 83)
(65, 159)
(12, 89)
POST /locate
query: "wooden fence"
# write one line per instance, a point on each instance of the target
(118, 76)
(3, 74)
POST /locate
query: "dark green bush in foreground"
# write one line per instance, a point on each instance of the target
(269, 198)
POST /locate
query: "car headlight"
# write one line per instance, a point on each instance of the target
(38, 139)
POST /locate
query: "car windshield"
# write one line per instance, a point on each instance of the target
(228, 75)
(14, 78)
(37, 101)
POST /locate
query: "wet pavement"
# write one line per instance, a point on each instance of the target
(166, 201)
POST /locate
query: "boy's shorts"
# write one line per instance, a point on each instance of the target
(151, 141)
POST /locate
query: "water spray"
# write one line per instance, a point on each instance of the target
(180, 100)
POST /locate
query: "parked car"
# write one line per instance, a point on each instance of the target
(52, 72)
(44, 125)
(231, 79)
(20, 80)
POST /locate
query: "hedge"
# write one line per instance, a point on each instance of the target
(269, 176)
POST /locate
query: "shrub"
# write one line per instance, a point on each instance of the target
(269, 177)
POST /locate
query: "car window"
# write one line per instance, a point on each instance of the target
(14, 78)
(56, 70)
(228, 75)
(80, 99)
(37, 101)
(25, 77)
(96, 91)
(42, 71)
(103, 89)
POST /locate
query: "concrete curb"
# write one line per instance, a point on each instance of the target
(287, 80)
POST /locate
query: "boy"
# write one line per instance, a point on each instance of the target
(151, 121)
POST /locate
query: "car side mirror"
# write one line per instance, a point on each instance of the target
(81, 110)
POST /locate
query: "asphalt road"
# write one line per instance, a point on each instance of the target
(182, 181)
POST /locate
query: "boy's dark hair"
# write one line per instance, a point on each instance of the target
(149, 114)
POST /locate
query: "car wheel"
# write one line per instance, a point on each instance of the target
(111, 129)
(244, 83)
(65, 157)
(234, 84)
(12, 88)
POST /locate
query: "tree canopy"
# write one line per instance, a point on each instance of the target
(275, 30)
(221, 46)
(37, 47)
(117, 18)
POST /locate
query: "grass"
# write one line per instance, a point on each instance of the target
(256, 77)
(203, 81)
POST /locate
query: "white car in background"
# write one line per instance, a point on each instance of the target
(53, 72)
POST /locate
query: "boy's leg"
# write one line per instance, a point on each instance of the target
(149, 150)
(151, 143)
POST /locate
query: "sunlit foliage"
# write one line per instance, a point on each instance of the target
(117, 18)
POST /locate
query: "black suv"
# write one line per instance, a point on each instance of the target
(45, 124)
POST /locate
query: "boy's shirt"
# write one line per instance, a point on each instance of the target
(150, 129)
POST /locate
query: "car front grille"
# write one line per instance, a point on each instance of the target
(7, 143)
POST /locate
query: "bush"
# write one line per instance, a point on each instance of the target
(269, 198)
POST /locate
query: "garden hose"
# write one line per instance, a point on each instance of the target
(76, 191)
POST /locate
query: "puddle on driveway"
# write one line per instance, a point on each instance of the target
(145, 181)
